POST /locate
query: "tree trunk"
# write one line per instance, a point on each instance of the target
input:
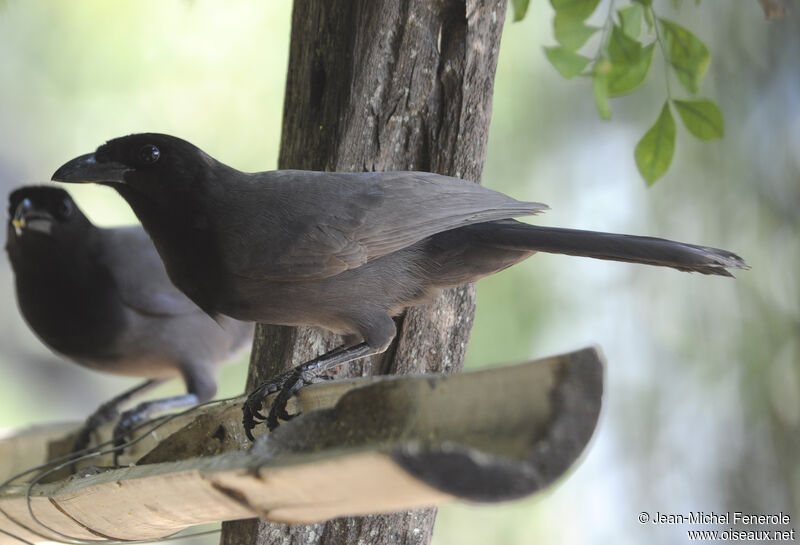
(383, 85)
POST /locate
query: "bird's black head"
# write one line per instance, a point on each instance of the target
(45, 228)
(36, 212)
(152, 165)
(172, 187)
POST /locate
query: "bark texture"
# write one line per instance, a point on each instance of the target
(383, 85)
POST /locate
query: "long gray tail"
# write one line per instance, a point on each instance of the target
(614, 247)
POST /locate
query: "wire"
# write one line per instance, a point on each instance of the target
(72, 458)
(14, 536)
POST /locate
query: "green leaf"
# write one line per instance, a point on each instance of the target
(645, 3)
(686, 53)
(571, 33)
(702, 118)
(603, 66)
(520, 9)
(630, 62)
(626, 78)
(631, 20)
(622, 49)
(600, 88)
(568, 63)
(648, 16)
(575, 9)
(655, 150)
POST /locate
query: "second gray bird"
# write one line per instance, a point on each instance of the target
(102, 298)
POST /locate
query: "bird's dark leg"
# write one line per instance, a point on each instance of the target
(289, 382)
(141, 412)
(109, 411)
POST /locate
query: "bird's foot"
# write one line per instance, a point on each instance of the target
(127, 422)
(289, 382)
(108, 412)
(105, 413)
(286, 384)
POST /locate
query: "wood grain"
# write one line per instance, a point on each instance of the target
(363, 446)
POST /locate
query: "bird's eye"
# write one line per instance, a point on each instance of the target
(22, 208)
(65, 208)
(149, 154)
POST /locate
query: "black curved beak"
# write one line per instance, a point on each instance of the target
(87, 168)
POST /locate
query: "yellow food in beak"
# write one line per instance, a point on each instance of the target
(18, 224)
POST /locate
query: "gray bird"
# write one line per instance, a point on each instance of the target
(338, 250)
(102, 298)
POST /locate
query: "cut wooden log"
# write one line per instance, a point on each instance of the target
(371, 445)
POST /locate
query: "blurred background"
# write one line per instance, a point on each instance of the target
(702, 409)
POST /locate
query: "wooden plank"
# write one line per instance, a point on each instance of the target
(373, 445)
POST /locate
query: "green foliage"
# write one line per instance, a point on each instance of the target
(702, 118)
(688, 56)
(626, 78)
(655, 150)
(631, 20)
(648, 16)
(623, 50)
(520, 9)
(575, 9)
(622, 63)
(601, 91)
(571, 33)
(568, 63)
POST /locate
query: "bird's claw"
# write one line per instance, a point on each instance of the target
(286, 384)
(127, 422)
(251, 416)
(253, 405)
(82, 439)
(106, 413)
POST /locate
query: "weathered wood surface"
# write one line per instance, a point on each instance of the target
(368, 445)
(384, 85)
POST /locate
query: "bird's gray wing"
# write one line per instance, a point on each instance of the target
(318, 224)
(139, 273)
